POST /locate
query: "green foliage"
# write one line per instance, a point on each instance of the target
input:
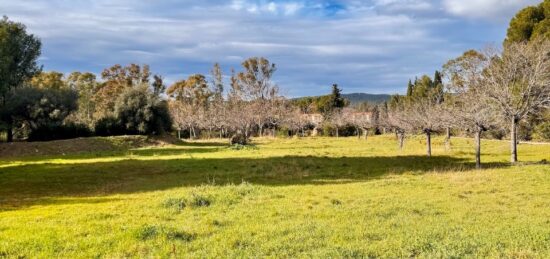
(542, 131)
(141, 112)
(19, 52)
(40, 107)
(530, 23)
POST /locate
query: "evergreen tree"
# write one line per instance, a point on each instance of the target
(410, 88)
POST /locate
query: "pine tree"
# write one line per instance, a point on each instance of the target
(410, 88)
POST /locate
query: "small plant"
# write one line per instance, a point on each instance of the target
(146, 232)
(199, 200)
(175, 203)
(180, 235)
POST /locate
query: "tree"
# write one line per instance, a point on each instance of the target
(117, 80)
(410, 88)
(517, 83)
(424, 114)
(423, 106)
(467, 107)
(529, 24)
(52, 80)
(38, 107)
(158, 85)
(86, 86)
(142, 112)
(19, 52)
(255, 89)
(217, 82)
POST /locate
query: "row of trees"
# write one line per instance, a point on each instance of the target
(476, 92)
(484, 90)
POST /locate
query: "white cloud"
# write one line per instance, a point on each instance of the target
(362, 48)
(496, 10)
(256, 7)
(404, 5)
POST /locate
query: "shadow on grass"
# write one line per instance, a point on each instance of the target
(27, 185)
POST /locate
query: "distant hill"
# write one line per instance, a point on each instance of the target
(356, 98)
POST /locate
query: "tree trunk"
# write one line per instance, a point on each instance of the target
(366, 134)
(478, 148)
(9, 131)
(261, 130)
(401, 137)
(514, 141)
(429, 142)
(337, 134)
(448, 139)
(358, 133)
(179, 134)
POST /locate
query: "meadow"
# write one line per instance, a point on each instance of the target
(300, 197)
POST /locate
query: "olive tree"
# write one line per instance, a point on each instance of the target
(19, 52)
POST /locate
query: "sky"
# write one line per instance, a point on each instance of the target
(370, 46)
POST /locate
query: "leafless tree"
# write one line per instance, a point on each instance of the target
(517, 83)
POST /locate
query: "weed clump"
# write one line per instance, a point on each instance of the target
(180, 235)
(200, 200)
(146, 232)
(177, 204)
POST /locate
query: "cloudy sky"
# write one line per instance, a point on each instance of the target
(371, 46)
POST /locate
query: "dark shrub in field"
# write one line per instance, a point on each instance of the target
(141, 112)
(239, 139)
(55, 132)
(109, 126)
(542, 131)
(198, 200)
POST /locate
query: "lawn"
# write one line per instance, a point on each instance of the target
(310, 197)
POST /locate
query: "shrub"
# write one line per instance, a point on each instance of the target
(542, 131)
(199, 200)
(146, 232)
(109, 126)
(56, 132)
(238, 139)
(139, 111)
(177, 204)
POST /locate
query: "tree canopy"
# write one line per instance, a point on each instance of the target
(530, 23)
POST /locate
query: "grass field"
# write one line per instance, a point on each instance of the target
(311, 197)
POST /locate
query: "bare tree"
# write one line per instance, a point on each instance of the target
(424, 113)
(517, 83)
(468, 108)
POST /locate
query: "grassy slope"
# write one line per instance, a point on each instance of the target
(311, 197)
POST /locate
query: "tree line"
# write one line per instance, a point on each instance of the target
(504, 90)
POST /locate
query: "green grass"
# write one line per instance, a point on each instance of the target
(313, 197)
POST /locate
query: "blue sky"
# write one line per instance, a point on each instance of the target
(371, 46)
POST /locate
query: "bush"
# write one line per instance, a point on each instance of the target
(141, 112)
(109, 126)
(238, 139)
(542, 131)
(56, 132)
